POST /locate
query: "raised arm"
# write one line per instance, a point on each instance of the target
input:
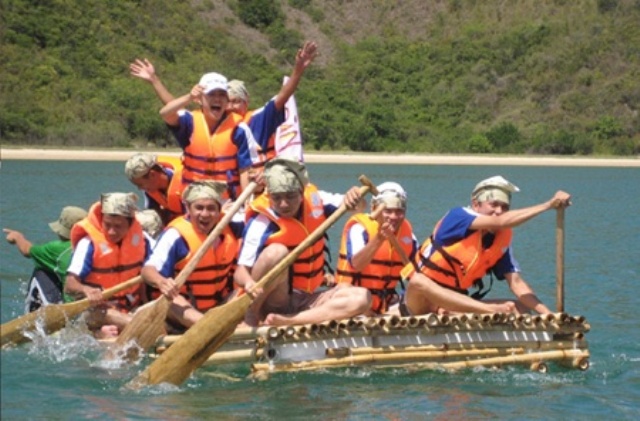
(169, 112)
(144, 70)
(304, 58)
(517, 217)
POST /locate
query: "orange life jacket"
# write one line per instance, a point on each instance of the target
(211, 281)
(382, 274)
(213, 156)
(307, 272)
(112, 263)
(171, 200)
(461, 264)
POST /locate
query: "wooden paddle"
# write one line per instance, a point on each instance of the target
(148, 323)
(54, 316)
(209, 333)
(560, 259)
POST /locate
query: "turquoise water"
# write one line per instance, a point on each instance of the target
(64, 378)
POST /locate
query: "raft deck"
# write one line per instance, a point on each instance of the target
(431, 341)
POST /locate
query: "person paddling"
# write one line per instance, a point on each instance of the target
(51, 260)
(277, 222)
(211, 282)
(109, 249)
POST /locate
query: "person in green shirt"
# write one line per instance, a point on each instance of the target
(51, 260)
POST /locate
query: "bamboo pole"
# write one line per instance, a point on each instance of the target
(560, 259)
(389, 359)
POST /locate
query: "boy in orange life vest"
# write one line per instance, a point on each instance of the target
(161, 182)
(109, 248)
(468, 243)
(278, 221)
(211, 283)
(215, 141)
(367, 258)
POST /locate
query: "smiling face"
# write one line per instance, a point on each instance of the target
(286, 204)
(214, 105)
(204, 214)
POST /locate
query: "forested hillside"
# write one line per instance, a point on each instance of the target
(450, 76)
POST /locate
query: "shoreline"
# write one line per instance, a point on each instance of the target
(335, 158)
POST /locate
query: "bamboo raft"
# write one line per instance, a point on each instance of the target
(448, 342)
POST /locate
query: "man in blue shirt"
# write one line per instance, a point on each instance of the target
(470, 242)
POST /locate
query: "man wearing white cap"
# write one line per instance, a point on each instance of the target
(215, 141)
(50, 259)
(470, 242)
(278, 221)
(367, 258)
(109, 249)
(211, 282)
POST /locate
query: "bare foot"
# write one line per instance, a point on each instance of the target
(106, 331)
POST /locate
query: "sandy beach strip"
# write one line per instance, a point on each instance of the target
(336, 158)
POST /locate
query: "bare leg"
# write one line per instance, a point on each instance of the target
(345, 303)
(183, 312)
(277, 295)
(425, 296)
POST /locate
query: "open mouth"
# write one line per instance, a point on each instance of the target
(216, 108)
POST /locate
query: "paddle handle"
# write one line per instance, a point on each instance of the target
(208, 242)
(108, 293)
(54, 316)
(560, 259)
(393, 240)
(273, 273)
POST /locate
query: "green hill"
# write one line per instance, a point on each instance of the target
(450, 76)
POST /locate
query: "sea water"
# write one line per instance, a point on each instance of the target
(63, 376)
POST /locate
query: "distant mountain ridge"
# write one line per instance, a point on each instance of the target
(456, 76)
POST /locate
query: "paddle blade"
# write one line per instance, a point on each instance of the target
(142, 331)
(51, 318)
(196, 345)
